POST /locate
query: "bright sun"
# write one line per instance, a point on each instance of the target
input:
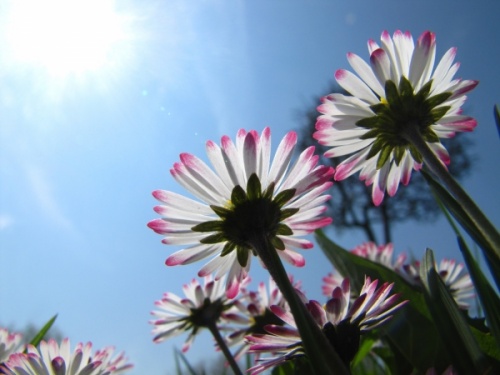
(65, 36)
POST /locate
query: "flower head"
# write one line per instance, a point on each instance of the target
(400, 91)
(253, 311)
(246, 198)
(453, 275)
(52, 358)
(382, 254)
(203, 306)
(341, 320)
(9, 343)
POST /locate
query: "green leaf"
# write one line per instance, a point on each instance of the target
(365, 348)
(481, 237)
(41, 334)
(489, 299)
(496, 114)
(186, 362)
(460, 343)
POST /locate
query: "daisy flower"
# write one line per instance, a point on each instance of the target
(245, 199)
(398, 94)
(341, 320)
(202, 307)
(453, 275)
(254, 313)
(9, 343)
(382, 254)
(52, 358)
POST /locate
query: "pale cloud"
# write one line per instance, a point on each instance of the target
(5, 221)
(350, 19)
(44, 195)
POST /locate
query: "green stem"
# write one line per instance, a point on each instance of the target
(222, 345)
(322, 356)
(486, 228)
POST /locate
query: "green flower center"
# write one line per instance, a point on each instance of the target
(401, 109)
(207, 314)
(260, 321)
(250, 215)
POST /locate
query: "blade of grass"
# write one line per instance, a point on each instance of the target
(41, 334)
(462, 347)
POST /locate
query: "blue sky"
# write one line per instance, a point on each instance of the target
(84, 141)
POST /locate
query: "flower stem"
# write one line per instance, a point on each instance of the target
(222, 345)
(322, 356)
(487, 229)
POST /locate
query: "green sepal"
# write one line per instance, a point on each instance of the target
(284, 230)
(439, 112)
(423, 93)
(383, 156)
(392, 94)
(242, 256)
(228, 247)
(220, 211)
(405, 89)
(378, 108)
(368, 122)
(376, 147)
(214, 238)
(253, 187)
(415, 154)
(277, 243)
(373, 133)
(399, 152)
(284, 197)
(41, 334)
(430, 136)
(209, 226)
(238, 195)
(438, 99)
(268, 193)
(287, 212)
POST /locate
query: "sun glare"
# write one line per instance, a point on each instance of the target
(65, 36)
